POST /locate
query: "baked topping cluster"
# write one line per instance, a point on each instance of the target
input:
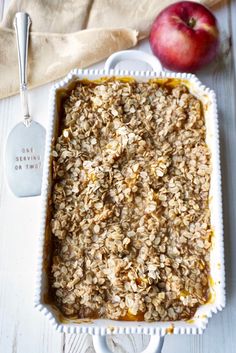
(130, 213)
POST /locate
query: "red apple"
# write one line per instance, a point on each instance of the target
(184, 36)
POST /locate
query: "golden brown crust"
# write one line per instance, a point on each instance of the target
(131, 219)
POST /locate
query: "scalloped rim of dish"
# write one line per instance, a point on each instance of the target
(103, 326)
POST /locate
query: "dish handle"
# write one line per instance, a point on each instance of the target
(154, 346)
(137, 55)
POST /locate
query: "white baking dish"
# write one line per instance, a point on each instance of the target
(99, 328)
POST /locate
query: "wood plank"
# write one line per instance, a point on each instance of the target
(24, 330)
(233, 29)
(1, 9)
(220, 336)
(117, 343)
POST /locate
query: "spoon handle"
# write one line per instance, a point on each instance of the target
(22, 23)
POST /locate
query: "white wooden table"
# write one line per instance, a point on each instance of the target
(22, 328)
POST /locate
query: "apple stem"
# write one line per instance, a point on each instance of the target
(192, 22)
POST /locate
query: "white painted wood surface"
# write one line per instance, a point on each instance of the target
(22, 328)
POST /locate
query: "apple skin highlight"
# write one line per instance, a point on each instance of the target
(185, 36)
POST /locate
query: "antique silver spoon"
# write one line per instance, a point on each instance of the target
(26, 142)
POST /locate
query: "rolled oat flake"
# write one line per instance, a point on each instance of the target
(26, 142)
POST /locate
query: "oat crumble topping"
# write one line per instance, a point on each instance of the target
(130, 214)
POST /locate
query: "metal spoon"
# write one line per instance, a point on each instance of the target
(26, 142)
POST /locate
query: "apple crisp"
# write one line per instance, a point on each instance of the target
(130, 215)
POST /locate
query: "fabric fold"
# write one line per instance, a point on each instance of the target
(52, 56)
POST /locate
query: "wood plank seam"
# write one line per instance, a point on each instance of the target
(202, 344)
(232, 14)
(1, 9)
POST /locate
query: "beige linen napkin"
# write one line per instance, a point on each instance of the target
(73, 33)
